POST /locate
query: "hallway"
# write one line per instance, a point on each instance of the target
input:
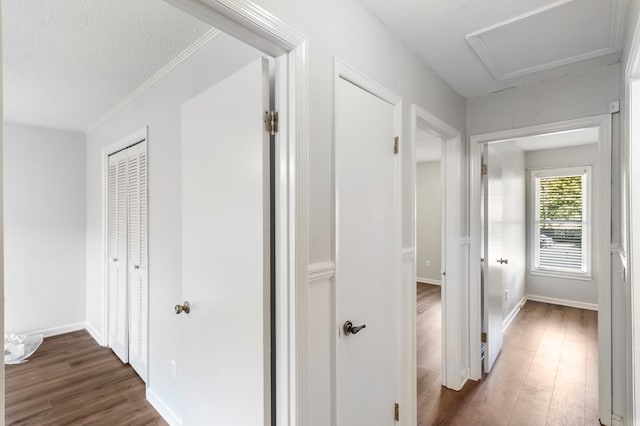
(545, 375)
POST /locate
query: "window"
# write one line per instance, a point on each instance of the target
(561, 222)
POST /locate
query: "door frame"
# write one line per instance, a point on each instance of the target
(454, 360)
(603, 186)
(140, 135)
(348, 73)
(257, 27)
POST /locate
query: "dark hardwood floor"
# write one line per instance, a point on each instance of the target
(545, 375)
(71, 380)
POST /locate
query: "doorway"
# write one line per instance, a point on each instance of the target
(288, 47)
(430, 264)
(432, 138)
(567, 250)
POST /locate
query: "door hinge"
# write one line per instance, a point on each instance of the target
(271, 122)
(484, 169)
(483, 337)
(396, 412)
(396, 145)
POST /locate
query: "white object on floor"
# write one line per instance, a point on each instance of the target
(19, 347)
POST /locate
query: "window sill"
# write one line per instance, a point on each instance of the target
(559, 274)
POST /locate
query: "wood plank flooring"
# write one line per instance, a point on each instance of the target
(547, 373)
(71, 380)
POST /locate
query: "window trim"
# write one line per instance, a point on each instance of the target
(587, 214)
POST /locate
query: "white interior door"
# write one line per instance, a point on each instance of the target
(137, 256)
(225, 375)
(117, 255)
(367, 256)
(494, 257)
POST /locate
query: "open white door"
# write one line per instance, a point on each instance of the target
(493, 257)
(224, 374)
(367, 256)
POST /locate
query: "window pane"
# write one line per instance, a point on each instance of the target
(560, 223)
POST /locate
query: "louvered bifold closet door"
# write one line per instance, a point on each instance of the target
(137, 262)
(117, 255)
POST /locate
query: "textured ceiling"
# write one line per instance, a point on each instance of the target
(67, 62)
(436, 30)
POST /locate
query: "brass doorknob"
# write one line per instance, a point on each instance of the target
(348, 328)
(183, 308)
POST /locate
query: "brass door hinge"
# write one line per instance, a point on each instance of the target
(483, 337)
(271, 122)
(396, 412)
(396, 145)
(484, 169)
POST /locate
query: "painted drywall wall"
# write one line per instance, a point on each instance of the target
(428, 222)
(45, 212)
(514, 218)
(585, 291)
(574, 96)
(158, 108)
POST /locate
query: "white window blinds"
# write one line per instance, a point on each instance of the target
(561, 220)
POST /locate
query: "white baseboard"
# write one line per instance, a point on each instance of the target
(563, 302)
(617, 420)
(428, 281)
(167, 414)
(54, 331)
(513, 313)
(94, 333)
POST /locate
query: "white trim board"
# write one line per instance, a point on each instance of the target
(428, 281)
(159, 75)
(321, 271)
(55, 331)
(94, 333)
(514, 312)
(162, 409)
(562, 302)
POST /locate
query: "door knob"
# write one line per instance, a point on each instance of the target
(183, 308)
(503, 261)
(348, 328)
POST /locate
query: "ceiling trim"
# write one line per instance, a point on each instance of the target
(183, 56)
(474, 40)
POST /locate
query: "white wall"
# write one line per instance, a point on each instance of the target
(428, 221)
(159, 108)
(584, 291)
(574, 96)
(45, 212)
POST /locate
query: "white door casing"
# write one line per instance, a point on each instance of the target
(603, 187)
(493, 257)
(367, 249)
(225, 215)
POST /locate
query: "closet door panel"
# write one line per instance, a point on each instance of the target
(137, 256)
(117, 255)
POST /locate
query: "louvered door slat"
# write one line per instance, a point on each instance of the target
(117, 259)
(137, 231)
